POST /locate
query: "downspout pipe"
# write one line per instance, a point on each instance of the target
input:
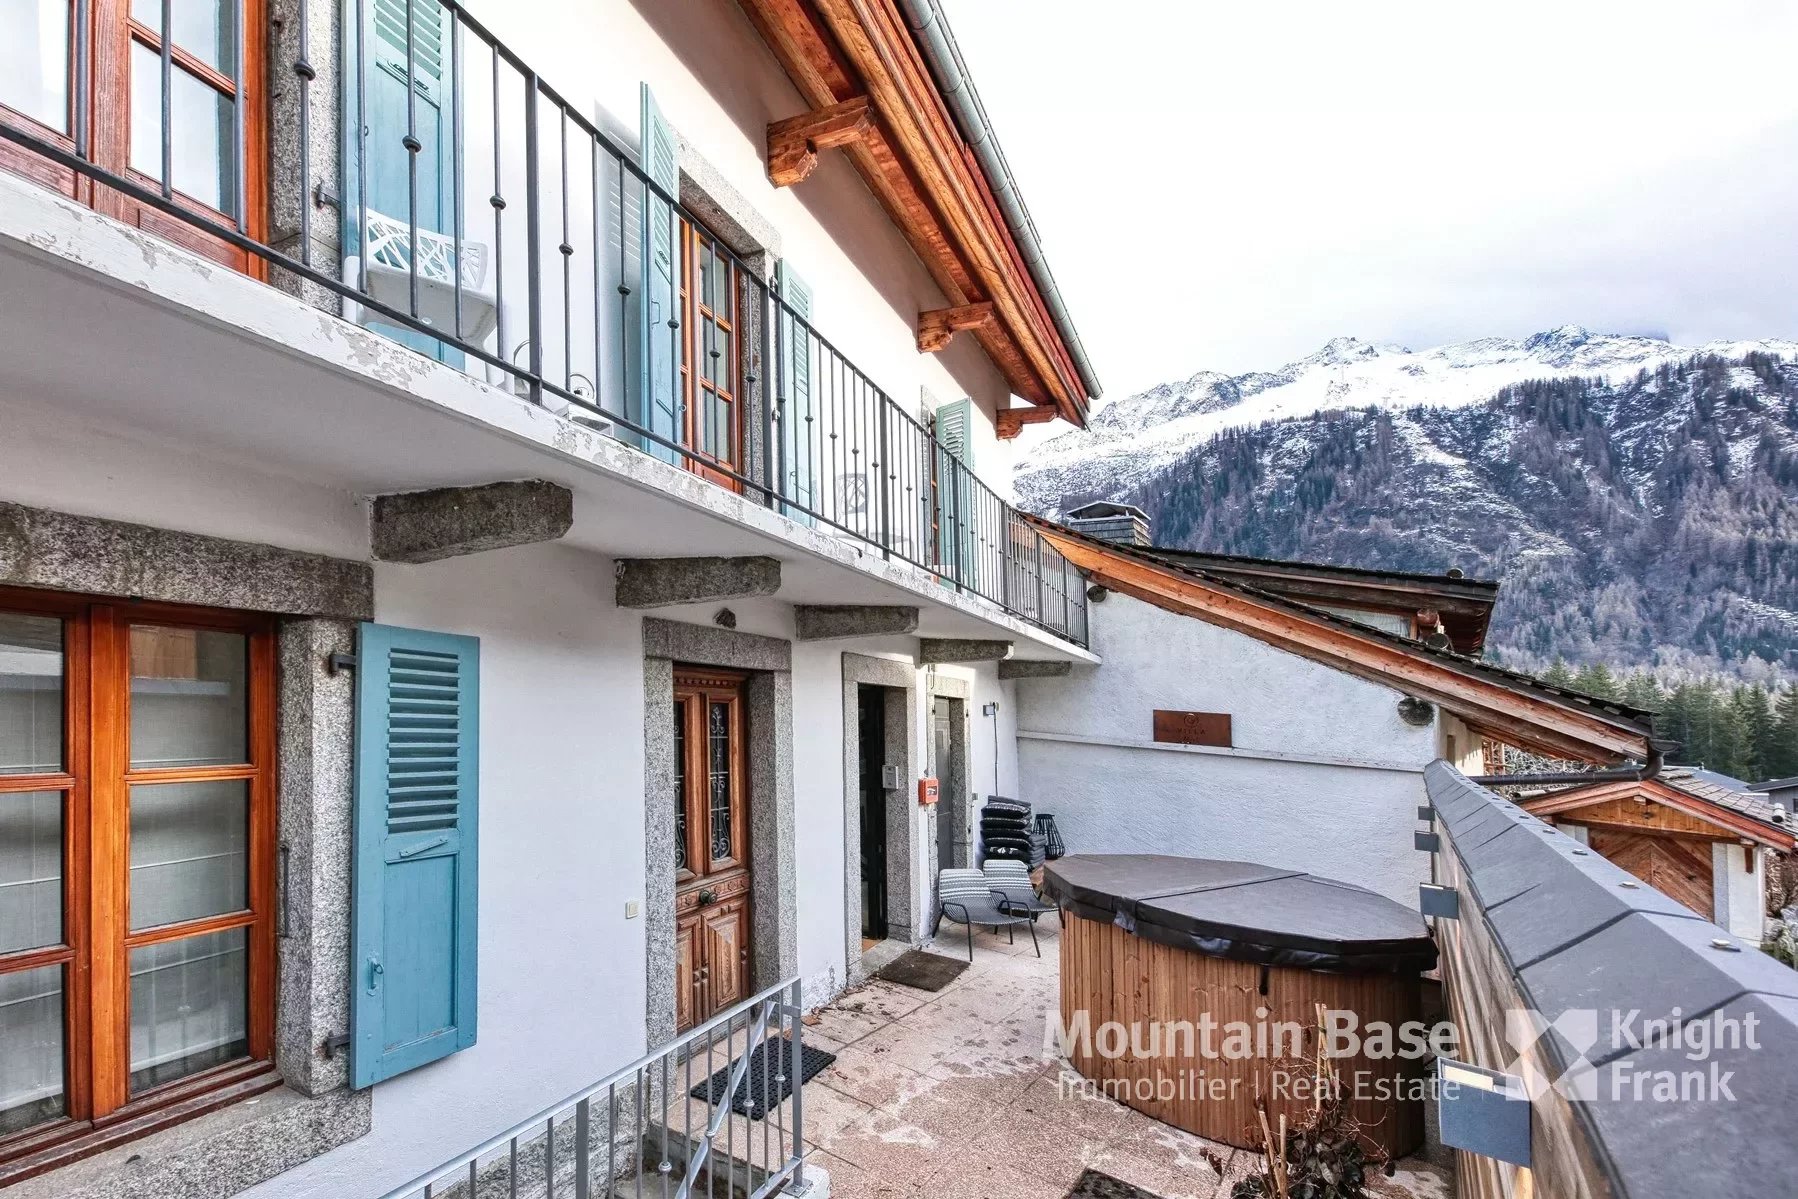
(943, 57)
(1629, 774)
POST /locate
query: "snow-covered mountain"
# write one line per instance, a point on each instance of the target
(1133, 439)
(1638, 501)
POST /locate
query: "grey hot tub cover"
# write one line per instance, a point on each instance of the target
(1244, 911)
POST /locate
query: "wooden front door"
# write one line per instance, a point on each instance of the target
(1679, 867)
(711, 850)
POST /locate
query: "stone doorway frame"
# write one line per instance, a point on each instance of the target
(774, 917)
(899, 680)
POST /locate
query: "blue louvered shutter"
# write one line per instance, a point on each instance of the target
(400, 185)
(658, 314)
(415, 836)
(799, 456)
(955, 490)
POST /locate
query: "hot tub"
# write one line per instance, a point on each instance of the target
(1190, 987)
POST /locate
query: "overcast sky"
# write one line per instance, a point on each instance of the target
(1227, 185)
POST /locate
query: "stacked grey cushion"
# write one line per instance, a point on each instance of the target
(1008, 833)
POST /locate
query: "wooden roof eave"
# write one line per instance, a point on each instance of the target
(1560, 803)
(1504, 712)
(916, 164)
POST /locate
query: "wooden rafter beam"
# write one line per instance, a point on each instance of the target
(938, 327)
(794, 144)
(1501, 711)
(1011, 421)
(915, 162)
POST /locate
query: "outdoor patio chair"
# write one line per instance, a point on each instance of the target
(967, 897)
(1011, 879)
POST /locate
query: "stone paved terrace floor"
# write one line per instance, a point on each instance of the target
(950, 1095)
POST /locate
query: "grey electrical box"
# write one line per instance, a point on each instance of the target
(889, 778)
(1483, 1111)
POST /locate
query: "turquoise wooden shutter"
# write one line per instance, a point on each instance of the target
(384, 126)
(659, 319)
(955, 491)
(799, 456)
(415, 837)
(952, 428)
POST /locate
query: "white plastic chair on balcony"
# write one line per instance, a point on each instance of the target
(390, 278)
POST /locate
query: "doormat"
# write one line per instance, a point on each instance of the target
(760, 1092)
(925, 971)
(1094, 1185)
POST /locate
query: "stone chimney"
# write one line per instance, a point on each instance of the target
(1108, 520)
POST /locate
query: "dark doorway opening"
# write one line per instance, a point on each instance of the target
(871, 721)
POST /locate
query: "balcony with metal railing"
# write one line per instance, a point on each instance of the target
(480, 217)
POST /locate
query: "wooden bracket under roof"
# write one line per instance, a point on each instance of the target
(1011, 421)
(938, 327)
(928, 179)
(793, 144)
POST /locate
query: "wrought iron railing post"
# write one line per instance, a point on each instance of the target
(533, 239)
(797, 1069)
(763, 380)
(167, 66)
(1067, 621)
(305, 73)
(881, 479)
(1042, 599)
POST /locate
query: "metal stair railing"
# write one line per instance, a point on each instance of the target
(620, 1137)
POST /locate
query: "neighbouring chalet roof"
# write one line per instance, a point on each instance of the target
(1094, 508)
(1464, 605)
(919, 138)
(1776, 784)
(1508, 705)
(1741, 813)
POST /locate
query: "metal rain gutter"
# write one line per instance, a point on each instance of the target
(1629, 774)
(944, 59)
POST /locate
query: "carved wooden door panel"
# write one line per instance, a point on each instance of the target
(725, 935)
(711, 899)
(686, 970)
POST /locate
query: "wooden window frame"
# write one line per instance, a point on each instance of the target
(111, 32)
(698, 247)
(95, 781)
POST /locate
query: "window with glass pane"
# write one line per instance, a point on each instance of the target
(190, 847)
(189, 1006)
(31, 851)
(718, 738)
(187, 698)
(711, 349)
(34, 61)
(201, 87)
(31, 1027)
(214, 83)
(31, 694)
(169, 772)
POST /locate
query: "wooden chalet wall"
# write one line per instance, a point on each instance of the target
(1479, 987)
(1546, 926)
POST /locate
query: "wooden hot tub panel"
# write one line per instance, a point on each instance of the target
(1116, 976)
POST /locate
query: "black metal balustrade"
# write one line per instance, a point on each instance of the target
(485, 221)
